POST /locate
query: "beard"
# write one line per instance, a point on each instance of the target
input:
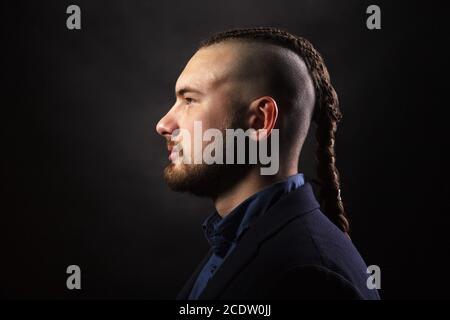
(204, 180)
(207, 180)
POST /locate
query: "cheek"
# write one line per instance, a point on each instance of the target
(217, 113)
(213, 113)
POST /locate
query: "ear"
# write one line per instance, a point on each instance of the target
(263, 114)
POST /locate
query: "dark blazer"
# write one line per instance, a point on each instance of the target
(292, 252)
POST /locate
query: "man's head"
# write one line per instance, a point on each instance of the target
(237, 84)
(261, 78)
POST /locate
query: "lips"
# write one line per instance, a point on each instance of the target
(172, 156)
(173, 151)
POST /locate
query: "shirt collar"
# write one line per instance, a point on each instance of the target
(221, 233)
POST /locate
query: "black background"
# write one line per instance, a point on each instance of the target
(82, 164)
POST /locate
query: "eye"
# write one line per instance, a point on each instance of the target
(188, 100)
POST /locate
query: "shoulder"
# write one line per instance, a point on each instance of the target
(311, 250)
(312, 282)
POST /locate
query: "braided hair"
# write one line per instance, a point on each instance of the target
(326, 112)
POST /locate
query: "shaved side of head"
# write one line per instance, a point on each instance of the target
(260, 69)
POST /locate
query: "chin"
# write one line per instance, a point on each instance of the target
(203, 180)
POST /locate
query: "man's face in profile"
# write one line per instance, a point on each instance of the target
(207, 91)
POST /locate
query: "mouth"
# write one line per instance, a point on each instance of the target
(174, 152)
(172, 156)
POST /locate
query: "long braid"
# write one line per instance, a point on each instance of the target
(326, 111)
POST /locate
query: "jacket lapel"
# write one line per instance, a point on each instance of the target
(291, 206)
(184, 293)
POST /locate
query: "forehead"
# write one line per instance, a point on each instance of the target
(209, 67)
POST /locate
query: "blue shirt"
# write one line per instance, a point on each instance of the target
(224, 233)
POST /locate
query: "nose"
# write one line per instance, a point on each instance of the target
(166, 125)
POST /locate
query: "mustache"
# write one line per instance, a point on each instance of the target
(176, 146)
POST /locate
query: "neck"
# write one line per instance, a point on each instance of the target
(246, 187)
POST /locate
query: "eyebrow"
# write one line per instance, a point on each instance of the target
(182, 91)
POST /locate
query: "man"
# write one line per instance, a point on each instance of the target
(269, 236)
